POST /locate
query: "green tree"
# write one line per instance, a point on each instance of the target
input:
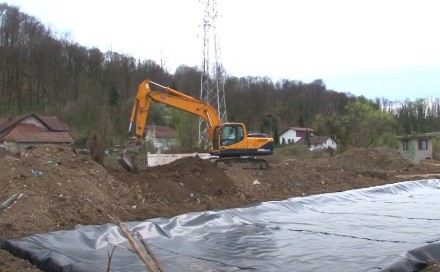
(363, 125)
(367, 125)
(114, 97)
(307, 139)
(186, 125)
(276, 136)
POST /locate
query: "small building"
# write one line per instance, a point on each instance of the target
(31, 130)
(320, 142)
(293, 134)
(162, 137)
(417, 147)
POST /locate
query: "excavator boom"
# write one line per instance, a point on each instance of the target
(173, 98)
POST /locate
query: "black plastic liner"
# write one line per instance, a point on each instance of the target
(387, 228)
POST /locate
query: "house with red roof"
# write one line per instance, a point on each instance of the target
(292, 134)
(162, 137)
(30, 130)
(297, 135)
(319, 142)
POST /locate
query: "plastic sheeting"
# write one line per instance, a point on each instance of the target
(387, 228)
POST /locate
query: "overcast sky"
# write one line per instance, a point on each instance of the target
(374, 48)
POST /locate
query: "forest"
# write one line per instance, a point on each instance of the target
(45, 73)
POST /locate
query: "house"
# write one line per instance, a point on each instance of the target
(320, 142)
(293, 134)
(31, 130)
(162, 137)
(416, 147)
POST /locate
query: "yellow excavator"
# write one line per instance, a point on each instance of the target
(230, 143)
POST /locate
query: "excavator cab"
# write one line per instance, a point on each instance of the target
(226, 135)
(233, 146)
(231, 134)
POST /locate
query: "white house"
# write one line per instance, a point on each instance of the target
(320, 142)
(162, 137)
(293, 134)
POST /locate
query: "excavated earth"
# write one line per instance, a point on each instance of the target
(60, 189)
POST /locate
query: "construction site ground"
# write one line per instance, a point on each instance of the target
(61, 189)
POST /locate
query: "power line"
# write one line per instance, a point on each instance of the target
(213, 75)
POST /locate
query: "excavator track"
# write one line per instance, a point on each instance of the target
(245, 163)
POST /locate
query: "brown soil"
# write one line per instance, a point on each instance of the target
(61, 189)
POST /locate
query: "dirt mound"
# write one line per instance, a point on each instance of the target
(301, 176)
(188, 184)
(58, 189)
(374, 159)
(52, 188)
(4, 153)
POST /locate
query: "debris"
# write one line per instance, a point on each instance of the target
(10, 201)
(36, 173)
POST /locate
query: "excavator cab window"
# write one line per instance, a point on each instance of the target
(231, 134)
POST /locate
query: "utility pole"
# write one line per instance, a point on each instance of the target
(213, 76)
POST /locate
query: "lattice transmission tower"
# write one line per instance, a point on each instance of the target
(213, 76)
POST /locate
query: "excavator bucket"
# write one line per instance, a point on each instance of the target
(126, 161)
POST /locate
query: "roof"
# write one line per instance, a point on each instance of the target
(315, 140)
(52, 130)
(54, 124)
(301, 129)
(30, 133)
(416, 136)
(298, 129)
(161, 131)
(51, 122)
(22, 129)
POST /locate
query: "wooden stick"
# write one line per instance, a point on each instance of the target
(150, 252)
(151, 266)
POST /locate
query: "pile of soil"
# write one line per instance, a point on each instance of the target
(54, 188)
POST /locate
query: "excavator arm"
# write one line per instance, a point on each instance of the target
(172, 98)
